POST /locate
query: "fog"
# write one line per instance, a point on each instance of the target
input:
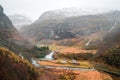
(34, 8)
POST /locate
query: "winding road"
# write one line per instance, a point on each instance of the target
(70, 68)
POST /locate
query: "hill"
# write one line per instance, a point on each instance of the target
(15, 68)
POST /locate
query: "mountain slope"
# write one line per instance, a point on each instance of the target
(12, 67)
(109, 51)
(12, 40)
(8, 32)
(7, 27)
(81, 27)
(69, 12)
(10, 37)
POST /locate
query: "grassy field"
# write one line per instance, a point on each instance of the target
(69, 49)
(64, 50)
(82, 64)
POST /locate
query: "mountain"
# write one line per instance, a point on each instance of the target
(111, 39)
(8, 33)
(10, 38)
(83, 27)
(109, 51)
(19, 20)
(7, 30)
(69, 12)
(12, 66)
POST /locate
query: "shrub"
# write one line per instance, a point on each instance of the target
(113, 57)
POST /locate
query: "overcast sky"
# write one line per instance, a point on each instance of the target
(34, 8)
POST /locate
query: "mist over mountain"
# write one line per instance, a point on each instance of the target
(9, 36)
(70, 12)
(11, 39)
(19, 20)
(8, 33)
(7, 30)
(62, 44)
(82, 25)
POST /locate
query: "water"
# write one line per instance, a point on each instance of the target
(21, 55)
(70, 68)
(50, 56)
(113, 26)
(88, 43)
(34, 62)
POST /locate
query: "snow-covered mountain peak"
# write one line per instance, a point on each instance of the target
(70, 12)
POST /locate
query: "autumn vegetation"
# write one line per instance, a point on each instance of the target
(113, 58)
(12, 67)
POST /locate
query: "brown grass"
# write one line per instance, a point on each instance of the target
(12, 67)
(61, 74)
(70, 50)
(83, 64)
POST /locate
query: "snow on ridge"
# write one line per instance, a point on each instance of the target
(80, 11)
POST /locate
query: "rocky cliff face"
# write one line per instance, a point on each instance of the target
(1, 9)
(7, 30)
(9, 36)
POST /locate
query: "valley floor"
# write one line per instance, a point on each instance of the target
(61, 74)
(66, 63)
(56, 69)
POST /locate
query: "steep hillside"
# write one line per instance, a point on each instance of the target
(12, 67)
(6, 27)
(109, 51)
(10, 37)
(8, 33)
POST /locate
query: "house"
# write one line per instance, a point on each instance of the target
(75, 62)
(63, 61)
